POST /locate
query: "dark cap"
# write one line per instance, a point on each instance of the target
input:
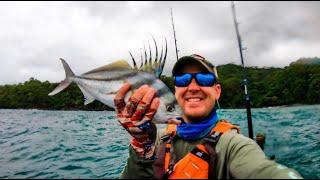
(194, 59)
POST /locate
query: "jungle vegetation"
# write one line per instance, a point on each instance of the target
(298, 83)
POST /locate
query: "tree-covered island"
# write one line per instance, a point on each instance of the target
(298, 83)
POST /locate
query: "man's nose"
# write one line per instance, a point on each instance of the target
(193, 86)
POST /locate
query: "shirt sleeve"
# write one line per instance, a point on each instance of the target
(139, 168)
(246, 160)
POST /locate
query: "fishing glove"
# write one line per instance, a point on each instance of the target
(136, 116)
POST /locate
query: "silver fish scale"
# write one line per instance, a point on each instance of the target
(140, 79)
(110, 75)
(103, 83)
(102, 86)
(100, 90)
(105, 91)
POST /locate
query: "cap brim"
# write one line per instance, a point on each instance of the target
(188, 60)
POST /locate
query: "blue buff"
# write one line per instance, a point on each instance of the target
(194, 131)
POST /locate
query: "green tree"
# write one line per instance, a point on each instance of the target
(297, 83)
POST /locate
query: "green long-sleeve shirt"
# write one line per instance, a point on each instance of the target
(238, 157)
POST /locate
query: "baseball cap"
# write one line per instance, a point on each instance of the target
(194, 59)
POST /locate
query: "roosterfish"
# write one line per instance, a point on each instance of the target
(103, 83)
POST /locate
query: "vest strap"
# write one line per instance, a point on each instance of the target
(201, 154)
(164, 165)
(210, 144)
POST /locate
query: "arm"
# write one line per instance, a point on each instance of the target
(247, 160)
(137, 168)
(135, 117)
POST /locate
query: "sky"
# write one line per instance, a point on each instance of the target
(34, 35)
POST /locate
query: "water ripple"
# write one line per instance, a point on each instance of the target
(81, 144)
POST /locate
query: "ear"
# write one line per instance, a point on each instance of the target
(217, 89)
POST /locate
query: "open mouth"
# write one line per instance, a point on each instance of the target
(193, 99)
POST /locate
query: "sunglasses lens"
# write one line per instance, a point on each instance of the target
(183, 80)
(205, 79)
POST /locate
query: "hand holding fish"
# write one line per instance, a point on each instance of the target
(136, 117)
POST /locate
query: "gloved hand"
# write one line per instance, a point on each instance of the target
(136, 116)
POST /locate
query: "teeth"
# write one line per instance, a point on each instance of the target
(194, 99)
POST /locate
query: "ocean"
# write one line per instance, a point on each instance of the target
(91, 144)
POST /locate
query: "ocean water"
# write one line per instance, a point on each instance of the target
(87, 144)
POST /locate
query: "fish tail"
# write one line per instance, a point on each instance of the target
(66, 82)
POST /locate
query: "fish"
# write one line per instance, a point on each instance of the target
(103, 83)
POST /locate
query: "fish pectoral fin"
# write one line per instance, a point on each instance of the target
(88, 98)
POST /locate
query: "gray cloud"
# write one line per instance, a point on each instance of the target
(34, 35)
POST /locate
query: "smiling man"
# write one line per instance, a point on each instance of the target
(197, 101)
(201, 146)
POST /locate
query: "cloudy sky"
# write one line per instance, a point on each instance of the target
(34, 35)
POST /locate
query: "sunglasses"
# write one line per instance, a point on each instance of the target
(202, 79)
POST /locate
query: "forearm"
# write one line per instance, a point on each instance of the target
(247, 160)
(137, 168)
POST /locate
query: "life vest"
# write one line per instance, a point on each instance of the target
(199, 163)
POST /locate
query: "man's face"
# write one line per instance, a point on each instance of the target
(196, 101)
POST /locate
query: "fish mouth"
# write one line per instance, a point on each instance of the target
(169, 119)
(174, 120)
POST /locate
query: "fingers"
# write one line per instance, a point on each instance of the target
(153, 109)
(134, 100)
(119, 98)
(143, 125)
(136, 115)
(144, 105)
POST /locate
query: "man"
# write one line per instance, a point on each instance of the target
(201, 146)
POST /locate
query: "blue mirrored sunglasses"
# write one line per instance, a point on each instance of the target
(202, 79)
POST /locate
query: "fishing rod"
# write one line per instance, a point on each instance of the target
(245, 79)
(174, 35)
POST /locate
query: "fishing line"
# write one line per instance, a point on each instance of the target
(219, 110)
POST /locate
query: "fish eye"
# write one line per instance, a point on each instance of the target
(170, 108)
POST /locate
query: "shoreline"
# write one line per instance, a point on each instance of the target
(278, 106)
(74, 109)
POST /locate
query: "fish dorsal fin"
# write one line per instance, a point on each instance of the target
(117, 65)
(148, 63)
(153, 68)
